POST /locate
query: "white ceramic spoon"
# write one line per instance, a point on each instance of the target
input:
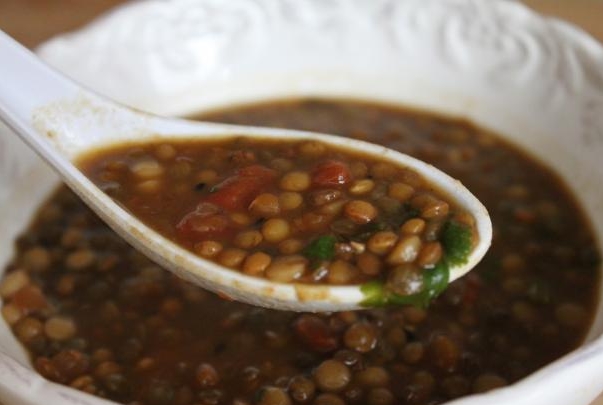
(60, 120)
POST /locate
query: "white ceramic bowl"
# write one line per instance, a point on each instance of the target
(538, 82)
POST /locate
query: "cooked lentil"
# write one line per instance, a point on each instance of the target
(256, 203)
(143, 337)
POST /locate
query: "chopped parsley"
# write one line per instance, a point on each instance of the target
(456, 241)
(321, 248)
(435, 281)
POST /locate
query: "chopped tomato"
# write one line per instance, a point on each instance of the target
(331, 173)
(195, 222)
(315, 333)
(237, 191)
(208, 220)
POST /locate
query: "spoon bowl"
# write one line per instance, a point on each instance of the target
(62, 121)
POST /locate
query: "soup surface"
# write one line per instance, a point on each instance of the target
(100, 317)
(297, 211)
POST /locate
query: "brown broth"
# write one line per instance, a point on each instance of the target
(98, 316)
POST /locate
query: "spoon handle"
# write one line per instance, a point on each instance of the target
(51, 113)
(27, 84)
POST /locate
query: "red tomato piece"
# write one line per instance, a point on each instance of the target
(315, 333)
(208, 220)
(205, 222)
(331, 173)
(237, 191)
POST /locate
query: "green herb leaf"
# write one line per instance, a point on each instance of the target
(456, 241)
(436, 279)
(435, 282)
(374, 294)
(321, 248)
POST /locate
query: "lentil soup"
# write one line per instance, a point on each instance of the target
(98, 316)
(292, 211)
